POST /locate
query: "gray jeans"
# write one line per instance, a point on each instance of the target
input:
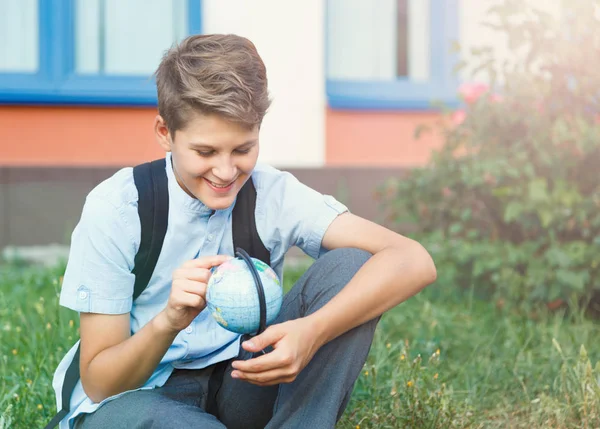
(210, 398)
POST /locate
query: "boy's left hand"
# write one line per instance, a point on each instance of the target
(294, 343)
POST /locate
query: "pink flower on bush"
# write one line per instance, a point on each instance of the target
(471, 92)
(496, 98)
(458, 117)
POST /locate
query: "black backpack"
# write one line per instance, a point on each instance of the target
(153, 209)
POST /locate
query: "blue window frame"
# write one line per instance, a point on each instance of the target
(56, 81)
(401, 92)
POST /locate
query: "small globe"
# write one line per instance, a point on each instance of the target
(232, 297)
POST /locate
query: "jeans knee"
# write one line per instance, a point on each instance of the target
(350, 255)
(345, 261)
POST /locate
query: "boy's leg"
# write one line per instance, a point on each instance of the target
(178, 404)
(320, 393)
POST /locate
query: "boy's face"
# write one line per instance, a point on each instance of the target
(212, 157)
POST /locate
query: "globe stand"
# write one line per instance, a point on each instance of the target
(262, 324)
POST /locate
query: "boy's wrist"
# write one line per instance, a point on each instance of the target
(162, 326)
(319, 327)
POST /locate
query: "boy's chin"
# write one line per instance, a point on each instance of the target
(219, 203)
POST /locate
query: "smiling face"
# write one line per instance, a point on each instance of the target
(212, 157)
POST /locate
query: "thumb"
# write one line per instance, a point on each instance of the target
(264, 340)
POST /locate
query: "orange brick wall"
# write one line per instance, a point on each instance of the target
(103, 136)
(374, 138)
(46, 136)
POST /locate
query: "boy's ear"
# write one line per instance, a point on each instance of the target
(162, 134)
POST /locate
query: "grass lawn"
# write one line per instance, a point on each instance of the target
(443, 359)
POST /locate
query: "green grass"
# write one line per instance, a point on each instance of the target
(493, 369)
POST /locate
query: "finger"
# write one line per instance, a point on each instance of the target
(271, 335)
(186, 299)
(193, 287)
(266, 378)
(268, 362)
(196, 274)
(206, 261)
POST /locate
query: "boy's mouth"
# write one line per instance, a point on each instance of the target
(220, 187)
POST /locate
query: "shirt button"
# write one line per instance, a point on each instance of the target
(83, 294)
(210, 237)
(188, 330)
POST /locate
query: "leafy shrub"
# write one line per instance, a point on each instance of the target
(511, 203)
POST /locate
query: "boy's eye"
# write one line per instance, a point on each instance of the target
(242, 151)
(205, 153)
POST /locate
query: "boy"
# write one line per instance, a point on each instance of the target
(153, 362)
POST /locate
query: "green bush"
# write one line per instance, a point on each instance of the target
(511, 203)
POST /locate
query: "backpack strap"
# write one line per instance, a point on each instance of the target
(71, 379)
(243, 224)
(153, 210)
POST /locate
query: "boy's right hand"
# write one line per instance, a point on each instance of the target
(188, 292)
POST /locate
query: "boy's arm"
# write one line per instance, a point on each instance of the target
(114, 361)
(399, 268)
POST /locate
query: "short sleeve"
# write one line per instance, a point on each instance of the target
(98, 276)
(296, 214)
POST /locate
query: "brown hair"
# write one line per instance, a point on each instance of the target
(212, 74)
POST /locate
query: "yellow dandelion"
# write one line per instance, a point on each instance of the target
(437, 352)
(357, 426)
(48, 326)
(435, 376)
(388, 345)
(409, 384)
(402, 357)
(366, 372)
(15, 351)
(71, 323)
(40, 406)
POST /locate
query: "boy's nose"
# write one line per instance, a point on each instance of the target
(225, 172)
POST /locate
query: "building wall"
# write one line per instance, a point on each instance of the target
(299, 130)
(53, 155)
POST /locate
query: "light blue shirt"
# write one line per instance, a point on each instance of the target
(98, 278)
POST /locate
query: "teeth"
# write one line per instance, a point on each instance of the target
(219, 186)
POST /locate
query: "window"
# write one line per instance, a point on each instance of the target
(88, 51)
(390, 54)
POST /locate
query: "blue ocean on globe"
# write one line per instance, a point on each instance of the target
(232, 298)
